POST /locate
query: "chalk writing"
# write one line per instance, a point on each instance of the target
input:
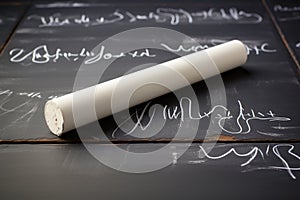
(280, 127)
(280, 8)
(20, 107)
(23, 111)
(32, 95)
(293, 10)
(171, 16)
(41, 54)
(175, 158)
(5, 109)
(253, 154)
(242, 119)
(256, 49)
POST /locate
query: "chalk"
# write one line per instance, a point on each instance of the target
(147, 84)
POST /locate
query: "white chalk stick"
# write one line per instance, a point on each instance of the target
(59, 114)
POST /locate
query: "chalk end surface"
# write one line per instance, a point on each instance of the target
(54, 118)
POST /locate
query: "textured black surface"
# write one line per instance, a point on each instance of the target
(287, 14)
(265, 89)
(69, 172)
(266, 82)
(9, 17)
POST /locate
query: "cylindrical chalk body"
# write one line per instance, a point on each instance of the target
(193, 67)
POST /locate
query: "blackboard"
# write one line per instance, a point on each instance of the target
(265, 87)
(69, 172)
(287, 16)
(50, 40)
(9, 17)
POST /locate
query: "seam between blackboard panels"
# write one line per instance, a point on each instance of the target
(282, 36)
(58, 141)
(14, 3)
(14, 29)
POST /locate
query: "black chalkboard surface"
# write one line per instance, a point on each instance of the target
(256, 156)
(69, 172)
(9, 17)
(43, 57)
(287, 15)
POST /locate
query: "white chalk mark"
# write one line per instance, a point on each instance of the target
(270, 134)
(267, 150)
(284, 19)
(196, 161)
(256, 49)
(7, 110)
(280, 127)
(172, 16)
(285, 162)
(175, 158)
(222, 114)
(42, 55)
(28, 115)
(280, 8)
(252, 154)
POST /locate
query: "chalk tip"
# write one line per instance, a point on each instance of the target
(54, 118)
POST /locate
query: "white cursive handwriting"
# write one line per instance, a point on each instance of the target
(160, 15)
(253, 153)
(255, 49)
(242, 120)
(41, 55)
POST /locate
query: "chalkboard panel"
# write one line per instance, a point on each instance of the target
(69, 172)
(42, 60)
(9, 17)
(287, 15)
